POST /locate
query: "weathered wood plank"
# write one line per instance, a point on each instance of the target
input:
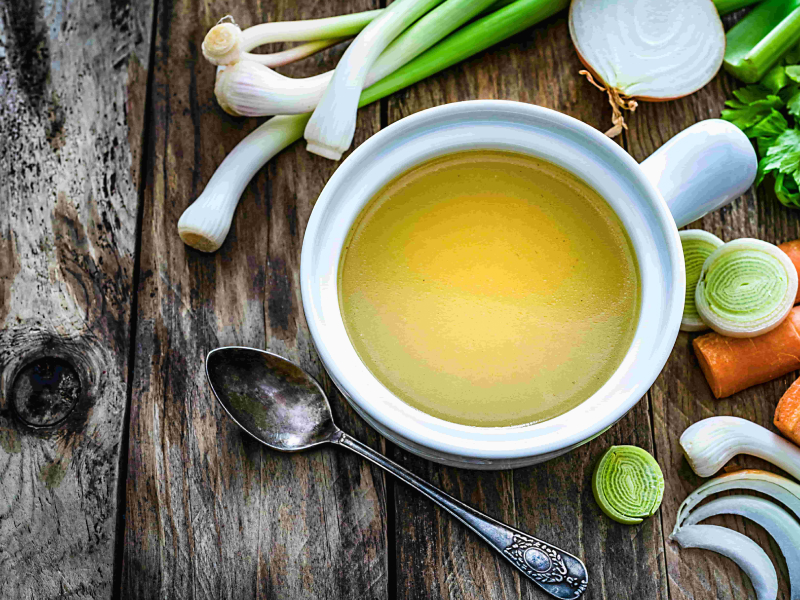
(438, 558)
(681, 395)
(72, 87)
(210, 513)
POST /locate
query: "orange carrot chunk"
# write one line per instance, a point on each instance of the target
(787, 413)
(733, 364)
(792, 250)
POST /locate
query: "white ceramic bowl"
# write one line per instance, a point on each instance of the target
(699, 170)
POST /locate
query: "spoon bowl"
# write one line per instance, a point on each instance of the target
(283, 407)
(271, 398)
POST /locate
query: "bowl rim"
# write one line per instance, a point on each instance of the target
(526, 447)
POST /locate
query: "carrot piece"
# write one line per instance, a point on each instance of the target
(733, 364)
(792, 250)
(787, 413)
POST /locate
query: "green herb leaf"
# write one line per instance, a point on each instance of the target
(793, 104)
(775, 79)
(793, 72)
(752, 104)
(767, 130)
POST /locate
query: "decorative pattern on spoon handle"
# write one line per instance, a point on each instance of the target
(546, 564)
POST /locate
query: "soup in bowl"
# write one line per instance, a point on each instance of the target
(491, 284)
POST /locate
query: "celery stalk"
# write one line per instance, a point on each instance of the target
(728, 6)
(759, 40)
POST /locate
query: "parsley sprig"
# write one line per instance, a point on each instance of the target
(769, 113)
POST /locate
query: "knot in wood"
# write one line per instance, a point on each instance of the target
(45, 391)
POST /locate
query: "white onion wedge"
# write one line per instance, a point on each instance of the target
(778, 523)
(786, 491)
(712, 442)
(647, 49)
(746, 288)
(739, 548)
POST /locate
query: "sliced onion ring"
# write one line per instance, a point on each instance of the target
(746, 288)
(697, 246)
(647, 49)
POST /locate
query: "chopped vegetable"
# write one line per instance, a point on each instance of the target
(784, 490)
(628, 484)
(792, 250)
(778, 523)
(226, 44)
(646, 49)
(761, 38)
(787, 413)
(697, 247)
(712, 442)
(733, 364)
(740, 549)
(252, 90)
(332, 126)
(728, 6)
(205, 223)
(746, 288)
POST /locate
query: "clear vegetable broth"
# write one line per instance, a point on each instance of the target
(489, 288)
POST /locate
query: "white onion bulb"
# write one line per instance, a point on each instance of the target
(647, 49)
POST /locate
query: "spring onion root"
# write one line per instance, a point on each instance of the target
(226, 43)
(251, 89)
(712, 442)
(332, 126)
(697, 246)
(206, 222)
(746, 288)
(761, 38)
(628, 484)
(740, 549)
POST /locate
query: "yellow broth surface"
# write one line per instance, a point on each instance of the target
(489, 288)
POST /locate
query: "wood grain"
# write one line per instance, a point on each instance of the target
(681, 395)
(72, 80)
(210, 513)
(438, 558)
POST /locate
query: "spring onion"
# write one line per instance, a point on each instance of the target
(746, 288)
(332, 126)
(712, 442)
(740, 549)
(628, 484)
(205, 223)
(646, 49)
(761, 38)
(778, 523)
(697, 246)
(226, 43)
(251, 89)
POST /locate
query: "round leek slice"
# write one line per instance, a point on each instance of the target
(628, 484)
(746, 288)
(697, 247)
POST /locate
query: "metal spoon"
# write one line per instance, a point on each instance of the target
(283, 407)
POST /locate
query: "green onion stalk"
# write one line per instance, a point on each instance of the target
(205, 223)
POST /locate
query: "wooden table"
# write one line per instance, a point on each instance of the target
(108, 129)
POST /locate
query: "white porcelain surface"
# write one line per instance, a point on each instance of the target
(575, 146)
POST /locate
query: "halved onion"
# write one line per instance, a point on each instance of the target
(746, 288)
(697, 246)
(646, 49)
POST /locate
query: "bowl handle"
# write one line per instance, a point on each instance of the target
(703, 168)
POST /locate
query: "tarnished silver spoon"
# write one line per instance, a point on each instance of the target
(283, 407)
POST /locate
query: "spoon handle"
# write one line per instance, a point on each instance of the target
(555, 571)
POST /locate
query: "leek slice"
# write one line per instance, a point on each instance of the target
(697, 247)
(628, 484)
(746, 288)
